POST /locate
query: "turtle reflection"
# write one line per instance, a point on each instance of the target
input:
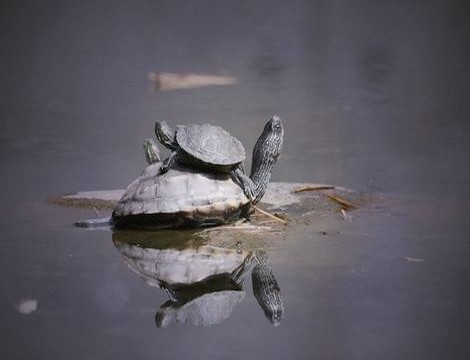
(204, 283)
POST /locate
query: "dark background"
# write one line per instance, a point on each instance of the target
(374, 96)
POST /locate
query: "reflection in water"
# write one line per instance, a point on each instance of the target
(268, 67)
(204, 283)
(266, 289)
(163, 81)
(376, 74)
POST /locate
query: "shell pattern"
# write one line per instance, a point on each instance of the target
(182, 194)
(210, 144)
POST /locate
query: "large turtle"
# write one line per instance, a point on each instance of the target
(186, 195)
(181, 197)
(210, 147)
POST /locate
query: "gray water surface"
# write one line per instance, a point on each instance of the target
(374, 97)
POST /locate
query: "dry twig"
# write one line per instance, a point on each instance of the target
(343, 202)
(274, 217)
(313, 188)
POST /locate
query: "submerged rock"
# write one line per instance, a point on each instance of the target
(295, 202)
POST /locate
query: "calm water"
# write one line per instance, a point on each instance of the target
(374, 97)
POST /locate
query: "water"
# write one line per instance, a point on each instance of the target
(373, 97)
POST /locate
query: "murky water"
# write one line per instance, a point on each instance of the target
(373, 97)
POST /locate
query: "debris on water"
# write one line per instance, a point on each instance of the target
(281, 216)
(345, 204)
(346, 216)
(412, 259)
(27, 306)
(101, 200)
(272, 216)
(164, 81)
(243, 227)
(313, 188)
(281, 201)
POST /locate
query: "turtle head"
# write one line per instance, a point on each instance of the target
(165, 135)
(152, 154)
(269, 144)
(265, 154)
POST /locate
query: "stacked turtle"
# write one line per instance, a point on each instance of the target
(202, 182)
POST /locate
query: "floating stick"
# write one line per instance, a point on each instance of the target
(343, 202)
(313, 188)
(274, 217)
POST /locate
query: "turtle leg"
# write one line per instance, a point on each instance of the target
(239, 176)
(168, 162)
(165, 314)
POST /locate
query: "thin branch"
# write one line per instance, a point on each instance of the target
(313, 188)
(274, 217)
(343, 202)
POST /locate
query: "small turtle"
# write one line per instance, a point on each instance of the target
(210, 147)
(200, 145)
(183, 195)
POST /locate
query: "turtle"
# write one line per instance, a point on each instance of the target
(186, 195)
(209, 147)
(180, 197)
(201, 145)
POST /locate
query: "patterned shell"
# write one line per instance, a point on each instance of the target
(180, 190)
(211, 144)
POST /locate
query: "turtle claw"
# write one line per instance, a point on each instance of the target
(163, 169)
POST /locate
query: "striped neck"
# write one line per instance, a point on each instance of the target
(265, 154)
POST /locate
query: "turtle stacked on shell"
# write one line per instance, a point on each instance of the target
(202, 182)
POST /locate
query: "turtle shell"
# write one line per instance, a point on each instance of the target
(180, 197)
(210, 144)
